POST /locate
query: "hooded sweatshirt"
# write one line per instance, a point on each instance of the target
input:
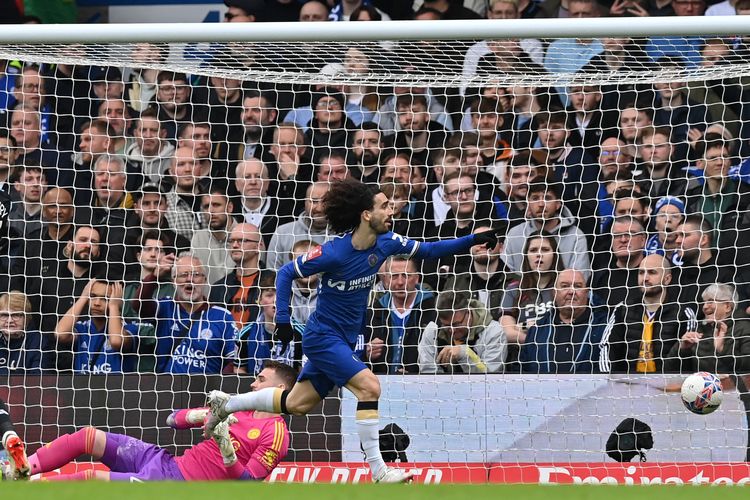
(484, 350)
(280, 248)
(571, 244)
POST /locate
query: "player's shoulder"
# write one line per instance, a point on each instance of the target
(393, 242)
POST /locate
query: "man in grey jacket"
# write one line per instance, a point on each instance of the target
(309, 225)
(546, 211)
(465, 338)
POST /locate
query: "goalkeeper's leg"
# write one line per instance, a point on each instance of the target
(13, 444)
(65, 449)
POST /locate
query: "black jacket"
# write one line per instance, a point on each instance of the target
(621, 343)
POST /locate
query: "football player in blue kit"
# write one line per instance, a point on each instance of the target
(348, 265)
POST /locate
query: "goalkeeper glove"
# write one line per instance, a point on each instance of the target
(284, 333)
(224, 441)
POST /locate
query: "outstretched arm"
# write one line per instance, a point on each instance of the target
(444, 248)
(187, 419)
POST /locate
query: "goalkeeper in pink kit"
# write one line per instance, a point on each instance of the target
(249, 447)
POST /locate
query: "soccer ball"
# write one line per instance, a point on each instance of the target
(701, 393)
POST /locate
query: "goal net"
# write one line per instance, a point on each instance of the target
(157, 187)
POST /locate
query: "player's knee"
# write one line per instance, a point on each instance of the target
(369, 389)
(299, 409)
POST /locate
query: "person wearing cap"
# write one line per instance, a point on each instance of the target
(668, 213)
(106, 82)
(329, 125)
(244, 11)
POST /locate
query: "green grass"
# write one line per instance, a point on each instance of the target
(243, 491)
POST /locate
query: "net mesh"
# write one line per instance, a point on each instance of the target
(621, 159)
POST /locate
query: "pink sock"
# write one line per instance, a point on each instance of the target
(78, 476)
(63, 450)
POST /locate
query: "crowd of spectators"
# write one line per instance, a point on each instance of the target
(151, 209)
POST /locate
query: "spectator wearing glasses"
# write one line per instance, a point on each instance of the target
(721, 342)
(238, 291)
(192, 336)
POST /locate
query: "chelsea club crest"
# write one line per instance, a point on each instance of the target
(372, 260)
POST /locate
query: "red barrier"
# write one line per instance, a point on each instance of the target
(528, 473)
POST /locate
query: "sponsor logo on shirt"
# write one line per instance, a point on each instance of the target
(312, 254)
(188, 356)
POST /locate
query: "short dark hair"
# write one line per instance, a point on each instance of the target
(699, 221)
(624, 193)
(451, 301)
(155, 234)
(553, 116)
(150, 113)
(286, 373)
(711, 141)
(410, 99)
(540, 184)
(5, 134)
(184, 126)
(345, 201)
(171, 75)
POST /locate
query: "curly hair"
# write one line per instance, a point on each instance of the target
(344, 203)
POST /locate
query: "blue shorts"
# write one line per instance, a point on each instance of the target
(330, 362)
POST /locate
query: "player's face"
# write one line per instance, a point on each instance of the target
(265, 379)
(381, 215)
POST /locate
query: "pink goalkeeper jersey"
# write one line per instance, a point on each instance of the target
(260, 443)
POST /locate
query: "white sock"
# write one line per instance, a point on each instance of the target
(370, 439)
(262, 400)
(8, 435)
